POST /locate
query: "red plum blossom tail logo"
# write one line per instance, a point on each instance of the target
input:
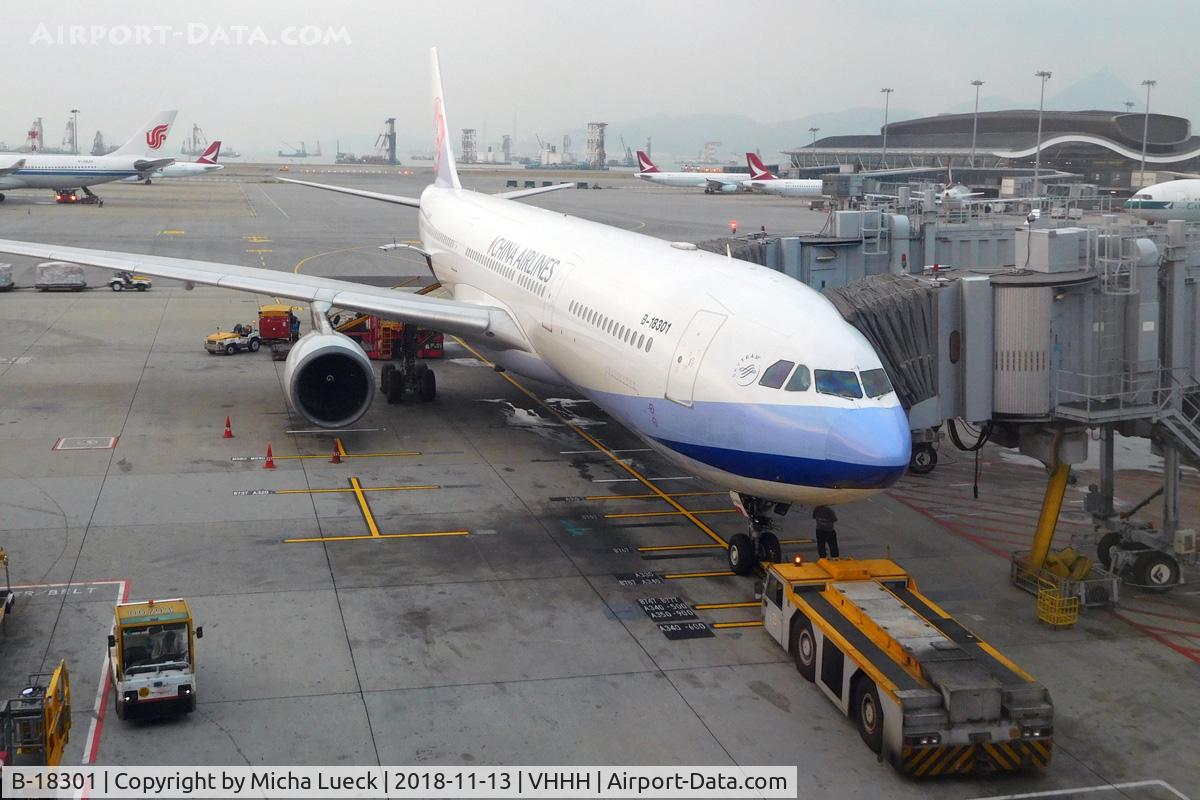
(758, 172)
(645, 163)
(156, 136)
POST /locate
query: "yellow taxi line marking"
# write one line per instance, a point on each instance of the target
(598, 497)
(366, 509)
(594, 443)
(750, 623)
(633, 514)
(376, 536)
(302, 261)
(678, 576)
(710, 606)
(172, 232)
(260, 250)
(660, 547)
(364, 489)
(341, 448)
(396, 454)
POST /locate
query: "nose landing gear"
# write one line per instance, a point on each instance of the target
(760, 543)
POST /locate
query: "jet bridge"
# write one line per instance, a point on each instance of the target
(1081, 331)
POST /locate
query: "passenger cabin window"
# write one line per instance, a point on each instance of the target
(876, 382)
(841, 383)
(774, 375)
(800, 381)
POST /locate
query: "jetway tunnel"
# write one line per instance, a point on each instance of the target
(1080, 332)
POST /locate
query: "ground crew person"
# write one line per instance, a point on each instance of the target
(826, 533)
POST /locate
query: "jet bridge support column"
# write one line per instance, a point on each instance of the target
(1107, 467)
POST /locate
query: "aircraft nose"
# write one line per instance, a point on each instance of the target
(877, 439)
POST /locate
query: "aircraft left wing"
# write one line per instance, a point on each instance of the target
(411, 202)
(415, 202)
(151, 164)
(12, 166)
(484, 323)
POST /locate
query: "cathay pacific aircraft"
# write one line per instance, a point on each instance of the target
(65, 174)
(1164, 201)
(745, 377)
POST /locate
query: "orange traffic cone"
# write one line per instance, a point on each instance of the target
(228, 429)
(337, 456)
(270, 462)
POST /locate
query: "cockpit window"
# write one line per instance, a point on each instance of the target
(876, 382)
(1142, 196)
(842, 383)
(774, 376)
(800, 381)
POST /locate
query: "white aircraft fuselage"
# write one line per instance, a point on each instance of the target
(693, 179)
(673, 343)
(1166, 201)
(67, 171)
(788, 187)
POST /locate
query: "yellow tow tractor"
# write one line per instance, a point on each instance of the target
(925, 692)
(36, 725)
(152, 655)
(242, 337)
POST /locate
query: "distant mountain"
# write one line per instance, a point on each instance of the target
(986, 103)
(1100, 90)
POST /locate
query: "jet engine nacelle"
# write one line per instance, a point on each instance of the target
(329, 379)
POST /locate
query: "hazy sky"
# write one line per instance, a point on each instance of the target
(559, 64)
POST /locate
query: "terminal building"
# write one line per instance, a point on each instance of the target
(1103, 148)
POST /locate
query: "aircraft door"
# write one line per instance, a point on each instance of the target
(689, 353)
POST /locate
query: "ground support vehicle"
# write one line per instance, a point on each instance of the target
(127, 280)
(278, 323)
(59, 276)
(152, 658)
(242, 337)
(36, 725)
(925, 692)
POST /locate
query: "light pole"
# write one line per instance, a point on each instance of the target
(975, 120)
(813, 131)
(1037, 161)
(887, 96)
(75, 131)
(1128, 106)
(1145, 131)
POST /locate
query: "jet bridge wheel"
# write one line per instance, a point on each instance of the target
(924, 459)
(1156, 571)
(1105, 547)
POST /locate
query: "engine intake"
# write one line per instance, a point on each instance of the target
(329, 379)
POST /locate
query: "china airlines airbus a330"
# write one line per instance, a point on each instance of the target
(739, 374)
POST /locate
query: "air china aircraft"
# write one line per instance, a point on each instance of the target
(709, 181)
(763, 180)
(206, 163)
(66, 173)
(1163, 201)
(747, 378)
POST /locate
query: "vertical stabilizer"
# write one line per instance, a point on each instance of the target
(758, 172)
(444, 170)
(150, 139)
(210, 155)
(644, 162)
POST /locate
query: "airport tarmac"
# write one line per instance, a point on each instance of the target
(463, 587)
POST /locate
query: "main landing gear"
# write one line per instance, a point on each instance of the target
(404, 374)
(760, 543)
